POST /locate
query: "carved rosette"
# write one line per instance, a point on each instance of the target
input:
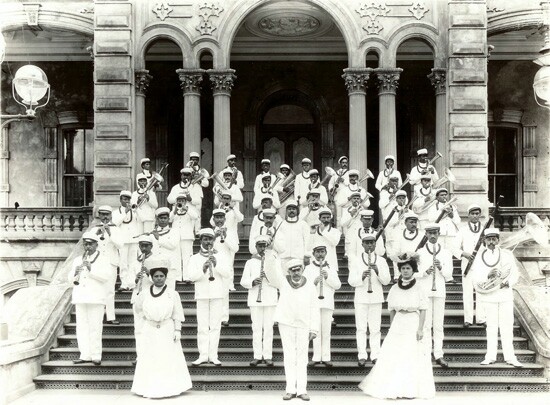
(222, 80)
(438, 78)
(143, 79)
(191, 80)
(356, 79)
(388, 80)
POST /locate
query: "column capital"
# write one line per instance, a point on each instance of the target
(388, 80)
(222, 80)
(356, 79)
(143, 79)
(191, 80)
(438, 78)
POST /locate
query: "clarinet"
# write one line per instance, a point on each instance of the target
(83, 266)
(210, 266)
(321, 296)
(144, 271)
(262, 276)
(434, 287)
(369, 281)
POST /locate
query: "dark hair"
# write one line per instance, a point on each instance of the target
(411, 262)
(164, 271)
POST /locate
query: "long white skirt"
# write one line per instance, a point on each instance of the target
(161, 370)
(404, 367)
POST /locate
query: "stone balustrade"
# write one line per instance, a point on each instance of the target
(513, 218)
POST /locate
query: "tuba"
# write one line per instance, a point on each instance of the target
(495, 279)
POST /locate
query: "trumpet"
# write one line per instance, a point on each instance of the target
(434, 254)
(369, 281)
(102, 228)
(321, 296)
(181, 208)
(222, 233)
(262, 276)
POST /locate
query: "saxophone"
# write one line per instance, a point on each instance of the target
(262, 276)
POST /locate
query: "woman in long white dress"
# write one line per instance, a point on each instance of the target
(404, 368)
(161, 370)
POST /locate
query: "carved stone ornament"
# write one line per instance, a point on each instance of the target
(206, 12)
(31, 10)
(143, 79)
(418, 9)
(388, 80)
(438, 78)
(375, 10)
(191, 80)
(222, 80)
(162, 10)
(356, 79)
(289, 26)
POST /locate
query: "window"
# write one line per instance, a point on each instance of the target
(77, 167)
(504, 165)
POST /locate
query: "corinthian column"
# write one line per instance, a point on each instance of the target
(222, 83)
(438, 78)
(142, 81)
(191, 80)
(388, 80)
(356, 83)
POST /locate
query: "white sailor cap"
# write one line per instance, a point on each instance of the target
(266, 176)
(441, 190)
(194, 155)
(401, 193)
(146, 239)
(266, 161)
(157, 262)
(227, 171)
(366, 213)
(90, 236)
(368, 236)
(218, 211)
(232, 156)
(141, 176)
(269, 211)
(472, 207)
(306, 160)
(391, 157)
(432, 226)
(342, 158)
(425, 177)
(145, 160)
(267, 197)
(313, 192)
(422, 151)
(354, 194)
(353, 172)
(105, 208)
(284, 166)
(186, 170)
(319, 247)
(394, 176)
(313, 172)
(291, 203)
(294, 263)
(325, 210)
(206, 232)
(261, 239)
(491, 232)
(226, 193)
(126, 193)
(162, 211)
(410, 215)
(181, 194)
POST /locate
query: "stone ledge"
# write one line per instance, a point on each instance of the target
(534, 315)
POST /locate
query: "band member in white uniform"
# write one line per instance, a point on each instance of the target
(286, 189)
(327, 236)
(265, 165)
(110, 241)
(208, 269)
(314, 185)
(494, 273)
(200, 177)
(292, 238)
(422, 168)
(406, 241)
(126, 220)
(237, 175)
(297, 313)
(395, 227)
(262, 300)
(356, 246)
(424, 197)
(310, 214)
(90, 276)
(466, 240)
(351, 221)
(145, 164)
(228, 187)
(267, 228)
(385, 175)
(449, 222)
(434, 258)
(267, 189)
(146, 203)
(387, 194)
(327, 281)
(167, 242)
(336, 185)
(183, 217)
(302, 180)
(344, 194)
(368, 272)
(193, 193)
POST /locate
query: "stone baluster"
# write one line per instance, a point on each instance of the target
(142, 81)
(191, 80)
(438, 78)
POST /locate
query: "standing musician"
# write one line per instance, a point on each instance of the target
(226, 243)
(423, 167)
(351, 221)
(406, 240)
(90, 276)
(310, 213)
(268, 188)
(167, 243)
(424, 197)
(262, 300)
(228, 187)
(356, 246)
(343, 196)
(292, 238)
(494, 272)
(268, 228)
(386, 194)
(237, 178)
(208, 269)
(385, 175)
(126, 220)
(336, 185)
(285, 189)
(192, 192)
(199, 174)
(396, 226)
(258, 220)
(324, 234)
(302, 179)
(183, 217)
(448, 225)
(265, 165)
(325, 277)
(110, 241)
(466, 240)
(297, 314)
(435, 267)
(145, 164)
(368, 272)
(146, 203)
(314, 185)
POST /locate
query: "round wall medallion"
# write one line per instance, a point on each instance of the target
(295, 25)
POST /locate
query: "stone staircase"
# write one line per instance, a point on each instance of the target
(464, 349)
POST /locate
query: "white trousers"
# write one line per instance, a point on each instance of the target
(186, 251)
(209, 317)
(110, 297)
(89, 329)
(368, 316)
(434, 321)
(228, 283)
(295, 352)
(321, 343)
(262, 331)
(468, 300)
(128, 252)
(500, 316)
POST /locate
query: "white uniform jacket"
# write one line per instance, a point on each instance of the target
(357, 242)
(323, 197)
(94, 284)
(416, 173)
(406, 242)
(258, 184)
(505, 262)
(204, 288)
(239, 179)
(262, 193)
(342, 199)
(329, 237)
(466, 240)
(127, 224)
(383, 178)
(251, 272)
(292, 240)
(183, 224)
(448, 225)
(147, 210)
(330, 284)
(194, 190)
(168, 245)
(446, 273)
(359, 264)
(110, 245)
(300, 184)
(420, 202)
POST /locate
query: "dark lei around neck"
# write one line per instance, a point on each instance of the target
(408, 286)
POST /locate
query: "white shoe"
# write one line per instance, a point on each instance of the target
(486, 362)
(216, 362)
(515, 363)
(199, 361)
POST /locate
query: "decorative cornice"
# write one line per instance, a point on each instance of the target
(438, 79)
(143, 79)
(388, 80)
(356, 79)
(222, 80)
(191, 80)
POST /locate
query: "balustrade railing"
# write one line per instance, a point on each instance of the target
(44, 222)
(513, 218)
